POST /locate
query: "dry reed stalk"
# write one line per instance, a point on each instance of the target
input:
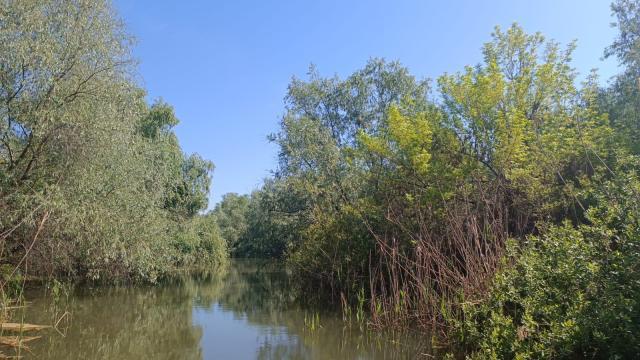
(452, 258)
(21, 327)
(16, 341)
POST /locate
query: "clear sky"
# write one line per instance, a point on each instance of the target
(225, 65)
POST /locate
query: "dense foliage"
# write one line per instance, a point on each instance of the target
(263, 224)
(93, 183)
(572, 291)
(498, 208)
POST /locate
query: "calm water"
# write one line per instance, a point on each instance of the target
(243, 311)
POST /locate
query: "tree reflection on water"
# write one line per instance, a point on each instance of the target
(247, 309)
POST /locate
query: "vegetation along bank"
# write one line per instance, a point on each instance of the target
(496, 207)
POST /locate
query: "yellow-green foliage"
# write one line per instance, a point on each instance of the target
(520, 115)
(407, 135)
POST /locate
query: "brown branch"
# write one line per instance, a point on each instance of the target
(45, 217)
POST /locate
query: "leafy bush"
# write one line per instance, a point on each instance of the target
(574, 291)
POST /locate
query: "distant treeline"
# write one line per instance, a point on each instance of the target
(93, 183)
(497, 207)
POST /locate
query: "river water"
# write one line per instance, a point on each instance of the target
(245, 310)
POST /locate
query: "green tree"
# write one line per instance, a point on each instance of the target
(86, 166)
(231, 216)
(622, 100)
(317, 139)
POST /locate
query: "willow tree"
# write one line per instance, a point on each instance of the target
(317, 138)
(78, 178)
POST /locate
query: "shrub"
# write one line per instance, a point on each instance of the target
(574, 291)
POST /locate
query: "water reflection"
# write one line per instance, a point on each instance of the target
(246, 310)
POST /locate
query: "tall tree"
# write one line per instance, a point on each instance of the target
(622, 100)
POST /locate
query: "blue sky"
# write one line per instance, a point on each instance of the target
(225, 65)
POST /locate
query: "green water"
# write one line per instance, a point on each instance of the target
(246, 310)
